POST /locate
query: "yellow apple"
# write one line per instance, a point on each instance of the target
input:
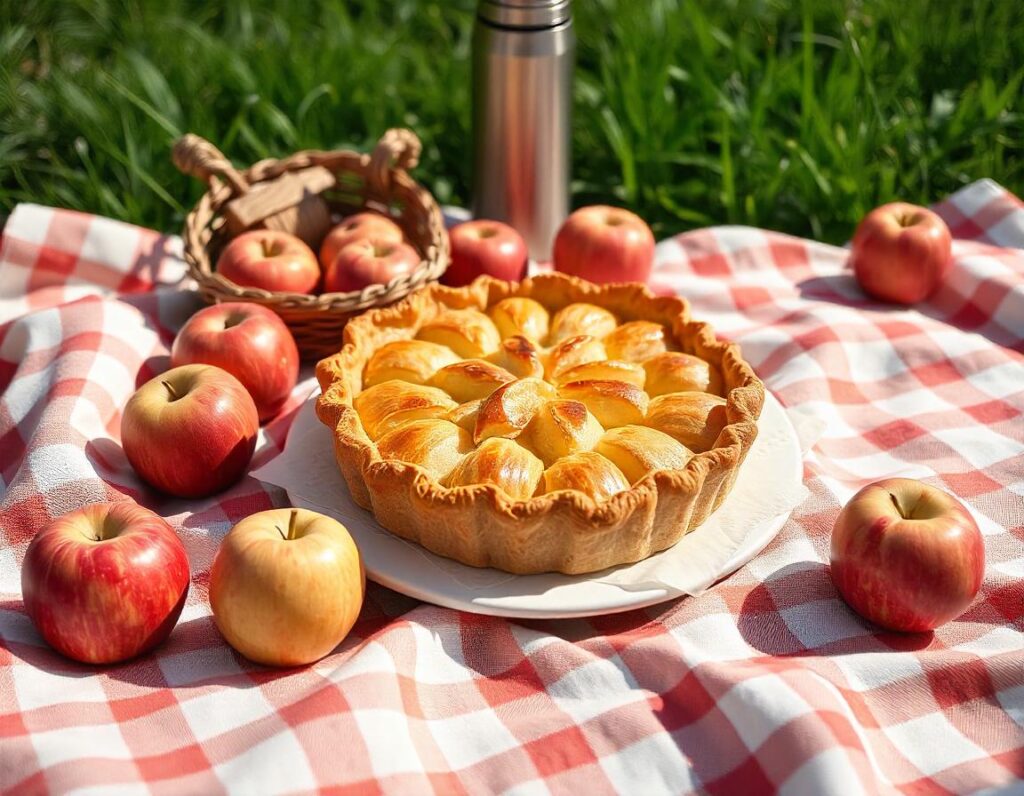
(286, 586)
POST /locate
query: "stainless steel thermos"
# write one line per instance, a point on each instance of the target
(523, 53)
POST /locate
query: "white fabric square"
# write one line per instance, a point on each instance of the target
(29, 223)
(998, 641)
(533, 787)
(36, 687)
(223, 710)
(372, 658)
(714, 637)
(277, 765)
(759, 706)
(872, 360)
(595, 688)
(78, 743)
(1012, 701)
(970, 199)
(439, 658)
(56, 465)
(867, 670)
(107, 789)
(999, 381)
(388, 741)
(932, 744)
(651, 766)
(911, 403)
(471, 737)
(732, 239)
(801, 367)
(110, 242)
(195, 666)
(1009, 231)
(822, 622)
(828, 773)
(980, 445)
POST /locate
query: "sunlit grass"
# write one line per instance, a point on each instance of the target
(782, 114)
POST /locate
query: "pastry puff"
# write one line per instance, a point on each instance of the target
(506, 412)
(390, 404)
(435, 445)
(560, 428)
(639, 450)
(409, 360)
(519, 357)
(587, 471)
(571, 352)
(581, 318)
(674, 371)
(608, 369)
(470, 379)
(636, 341)
(469, 333)
(693, 418)
(520, 317)
(502, 462)
(613, 403)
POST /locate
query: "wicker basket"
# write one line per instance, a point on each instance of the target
(379, 181)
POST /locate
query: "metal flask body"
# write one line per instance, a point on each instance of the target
(523, 55)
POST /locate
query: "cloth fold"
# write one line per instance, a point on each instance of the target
(765, 681)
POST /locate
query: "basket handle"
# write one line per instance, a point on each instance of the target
(398, 148)
(197, 157)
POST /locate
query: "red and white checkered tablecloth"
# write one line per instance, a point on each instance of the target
(766, 681)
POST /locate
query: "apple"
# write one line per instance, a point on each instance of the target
(106, 582)
(286, 586)
(271, 260)
(906, 555)
(605, 244)
(901, 252)
(369, 261)
(248, 341)
(485, 247)
(353, 228)
(191, 431)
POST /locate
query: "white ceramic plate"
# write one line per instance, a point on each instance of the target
(411, 570)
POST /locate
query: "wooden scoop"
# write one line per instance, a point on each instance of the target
(290, 202)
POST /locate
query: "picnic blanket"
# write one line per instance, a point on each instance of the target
(766, 681)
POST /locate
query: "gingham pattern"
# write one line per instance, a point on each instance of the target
(766, 681)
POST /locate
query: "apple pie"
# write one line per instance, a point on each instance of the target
(550, 425)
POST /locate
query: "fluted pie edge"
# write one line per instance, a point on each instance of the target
(565, 531)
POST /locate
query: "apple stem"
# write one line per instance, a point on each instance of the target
(896, 503)
(170, 389)
(291, 523)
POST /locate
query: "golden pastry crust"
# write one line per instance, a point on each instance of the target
(448, 478)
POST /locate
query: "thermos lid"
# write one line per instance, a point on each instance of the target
(524, 13)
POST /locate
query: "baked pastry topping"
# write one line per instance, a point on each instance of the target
(499, 424)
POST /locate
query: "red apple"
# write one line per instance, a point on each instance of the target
(271, 260)
(353, 228)
(369, 261)
(248, 341)
(286, 586)
(605, 244)
(906, 555)
(901, 252)
(106, 582)
(191, 431)
(485, 247)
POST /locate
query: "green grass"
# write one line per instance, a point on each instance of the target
(791, 115)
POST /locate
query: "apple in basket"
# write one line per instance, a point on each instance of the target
(605, 244)
(353, 228)
(485, 247)
(286, 586)
(106, 582)
(271, 260)
(906, 555)
(248, 341)
(901, 253)
(191, 431)
(369, 261)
